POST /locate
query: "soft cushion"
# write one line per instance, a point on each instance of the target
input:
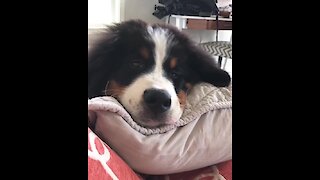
(103, 163)
(202, 137)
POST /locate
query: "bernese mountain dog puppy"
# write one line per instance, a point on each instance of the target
(149, 69)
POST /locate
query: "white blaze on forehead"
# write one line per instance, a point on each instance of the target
(161, 39)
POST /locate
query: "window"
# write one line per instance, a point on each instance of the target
(104, 12)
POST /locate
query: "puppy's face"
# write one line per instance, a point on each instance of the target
(149, 69)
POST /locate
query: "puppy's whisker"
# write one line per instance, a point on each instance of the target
(112, 92)
(106, 88)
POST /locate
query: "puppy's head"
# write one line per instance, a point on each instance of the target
(149, 69)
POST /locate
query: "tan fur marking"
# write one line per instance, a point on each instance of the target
(173, 63)
(182, 98)
(144, 53)
(114, 89)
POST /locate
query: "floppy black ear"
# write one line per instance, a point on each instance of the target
(206, 68)
(106, 55)
(100, 62)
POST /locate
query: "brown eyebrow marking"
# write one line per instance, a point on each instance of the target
(173, 63)
(144, 53)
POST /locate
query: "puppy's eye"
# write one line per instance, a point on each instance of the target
(136, 64)
(175, 74)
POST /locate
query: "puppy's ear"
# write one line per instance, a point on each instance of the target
(101, 57)
(206, 68)
(106, 54)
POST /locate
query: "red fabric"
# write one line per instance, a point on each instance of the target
(225, 169)
(215, 172)
(104, 163)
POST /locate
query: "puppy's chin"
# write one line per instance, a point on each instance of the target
(152, 123)
(146, 119)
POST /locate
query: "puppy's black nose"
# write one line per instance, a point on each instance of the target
(157, 100)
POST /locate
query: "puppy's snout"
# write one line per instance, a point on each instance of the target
(157, 100)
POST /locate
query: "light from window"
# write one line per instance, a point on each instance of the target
(103, 12)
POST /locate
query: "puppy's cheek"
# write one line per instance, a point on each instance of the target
(114, 89)
(182, 96)
(177, 107)
(130, 99)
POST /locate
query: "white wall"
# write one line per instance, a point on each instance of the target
(141, 9)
